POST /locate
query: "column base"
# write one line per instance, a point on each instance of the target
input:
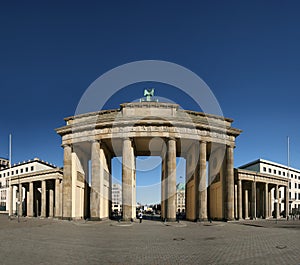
(202, 220)
(95, 219)
(67, 218)
(171, 219)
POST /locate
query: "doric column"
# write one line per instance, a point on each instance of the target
(171, 176)
(239, 195)
(30, 200)
(246, 204)
(43, 199)
(20, 200)
(51, 202)
(57, 213)
(67, 183)
(266, 201)
(202, 183)
(128, 174)
(11, 199)
(286, 195)
(95, 181)
(277, 204)
(253, 200)
(163, 187)
(229, 203)
(270, 203)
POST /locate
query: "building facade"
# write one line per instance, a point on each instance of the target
(116, 198)
(16, 172)
(180, 198)
(289, 174)
(4, 163)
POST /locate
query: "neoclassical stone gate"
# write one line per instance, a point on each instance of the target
(148, 128)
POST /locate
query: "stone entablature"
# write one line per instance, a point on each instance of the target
(242, 174)
(56, 173)
(148, 119)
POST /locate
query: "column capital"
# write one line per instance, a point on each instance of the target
(67, 145)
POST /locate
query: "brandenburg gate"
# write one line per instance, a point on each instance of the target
(148, 128)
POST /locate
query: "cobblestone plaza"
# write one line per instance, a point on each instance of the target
(50, 241)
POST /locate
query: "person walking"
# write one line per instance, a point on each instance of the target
(141, 216)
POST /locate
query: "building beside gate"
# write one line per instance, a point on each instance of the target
(28, 188)
(268, 189)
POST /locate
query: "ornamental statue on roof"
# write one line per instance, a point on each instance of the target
(149, 94)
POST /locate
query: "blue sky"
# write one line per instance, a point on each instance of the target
(246, 51)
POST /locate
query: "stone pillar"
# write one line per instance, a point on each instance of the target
(171, 176)
(266, 201)
(128, 170)
(20, 200)
(11, 199)
(86, 187)
(286, 195)
(202, 183)
(57, 213)
(95, 182)
(67, 183)
(235, 201)
(30, 200)
(246, 204)
(43, 199)
(51, 202)
(277, 204)
(163, 187)
(270, 203)
(253, 200)
(239, 195)
(229, 203)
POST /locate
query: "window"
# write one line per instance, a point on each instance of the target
(8, 174)
(290, 186)
(280, 194)
(270, 171)
(295, 195)
(290, 195)
(295, 185)
(292, 176)
(31, 168)
(298, 196)
(274, 171)
(283, 173)
(4, 175)
(17, 171)
(0, 175)
(298, 185)
(264, 169)
(279, 172)
(12, 173)
(21, 170)
(26, 169)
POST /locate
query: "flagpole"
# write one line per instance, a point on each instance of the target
(10, 202)
(287, 211)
